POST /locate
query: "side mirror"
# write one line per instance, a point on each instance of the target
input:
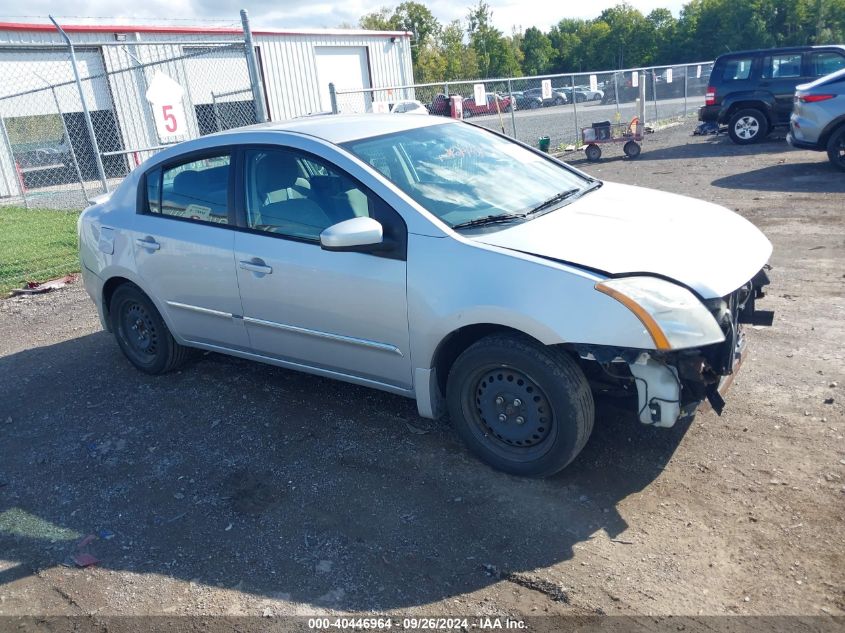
(358, 234)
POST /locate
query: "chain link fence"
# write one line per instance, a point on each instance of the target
(64, 141)
(554, 106)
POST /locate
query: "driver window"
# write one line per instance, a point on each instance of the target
(295, 195)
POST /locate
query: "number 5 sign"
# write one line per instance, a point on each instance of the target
(165, 97)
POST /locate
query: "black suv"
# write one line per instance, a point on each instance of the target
(751, 91)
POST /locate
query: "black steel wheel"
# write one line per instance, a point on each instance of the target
(593, 152)
(521, 407)
(836, 148)
(142, 334)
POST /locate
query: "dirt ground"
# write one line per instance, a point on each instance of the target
(241, 489)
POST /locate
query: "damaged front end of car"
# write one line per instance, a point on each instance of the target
(671, 384)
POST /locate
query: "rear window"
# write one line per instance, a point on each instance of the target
(822, 64)
(778, 66)
(737, 69)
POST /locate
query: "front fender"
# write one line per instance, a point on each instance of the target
(455, 283)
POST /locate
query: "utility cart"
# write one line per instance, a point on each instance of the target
(631, 134)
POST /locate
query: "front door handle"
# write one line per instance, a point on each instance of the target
(148, 242)
(256, 266)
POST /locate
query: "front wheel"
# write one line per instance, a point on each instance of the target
(142, 334)
(836, 148)
(521, 407)
(748, 126)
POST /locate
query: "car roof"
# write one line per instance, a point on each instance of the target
(341, 128)
(785, 49)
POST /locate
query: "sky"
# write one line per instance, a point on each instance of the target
(303, 14)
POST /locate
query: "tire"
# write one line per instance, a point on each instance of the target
(748, 126)
(558, 101)
(836, 148)
(467, 113)
(632, 149)
(593, 152)
(534, 105)
(503, 379)
(142, 334)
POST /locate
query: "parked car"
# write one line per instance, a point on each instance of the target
(408, 106)
(591, 95)
(818, 117)
(576, 95)
(526, 102)
(557, 98)
(752, 91)
(471, 108)
(385, 251)
(440, 105)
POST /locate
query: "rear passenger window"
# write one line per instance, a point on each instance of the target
(197, 190)
(778, 66)
(737, 69)
(825, 63)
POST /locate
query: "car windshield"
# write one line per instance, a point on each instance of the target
(462, 173)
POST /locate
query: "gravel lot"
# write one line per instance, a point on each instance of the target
(236, 488)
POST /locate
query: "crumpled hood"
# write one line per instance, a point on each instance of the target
(623, 229)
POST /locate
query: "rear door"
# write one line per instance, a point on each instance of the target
(780, 74)
(183, 240)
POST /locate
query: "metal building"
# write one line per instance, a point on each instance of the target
(40, 101)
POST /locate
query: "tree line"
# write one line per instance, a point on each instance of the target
(620, 37)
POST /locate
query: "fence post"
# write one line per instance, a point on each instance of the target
(654, 91)
(616, 91)
(686, 72)
(13, 164)
(641, 101)
(513, 107)
(254, 74)
(97, 158)
(575, 111)
(333, 97)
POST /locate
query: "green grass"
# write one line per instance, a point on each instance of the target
(36, 245)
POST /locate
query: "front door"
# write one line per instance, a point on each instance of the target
(343, 312)
(183, 242)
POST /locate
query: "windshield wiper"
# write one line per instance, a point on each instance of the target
(559, 197)
(489, 219)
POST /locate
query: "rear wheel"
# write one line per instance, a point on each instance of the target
(142, 334)
(593, 152)
(632, 149)
(535, 104)
(748, 126)
(836, 148)
(521, 407)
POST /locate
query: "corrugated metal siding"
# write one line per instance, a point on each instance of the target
(291, 72)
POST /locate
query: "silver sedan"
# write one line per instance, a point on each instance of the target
(433, 259)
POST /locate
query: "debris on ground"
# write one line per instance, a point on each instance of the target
(705, 128)
(35, 287)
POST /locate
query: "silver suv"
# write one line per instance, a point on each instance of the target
(818, 117)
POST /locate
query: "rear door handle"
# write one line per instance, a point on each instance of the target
(256, 266)
(149, 243)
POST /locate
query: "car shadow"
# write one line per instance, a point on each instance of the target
(238, 475)
(821, 177)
